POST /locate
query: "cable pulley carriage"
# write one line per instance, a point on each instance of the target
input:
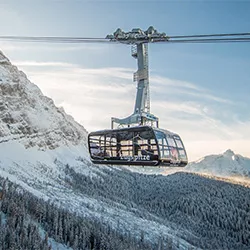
(140, 141)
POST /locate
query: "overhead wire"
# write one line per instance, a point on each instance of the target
(203, 38)
(213, 35)
(53, 39)
(211, 40)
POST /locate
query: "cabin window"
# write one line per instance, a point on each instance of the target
(179, 143)
(124, 145)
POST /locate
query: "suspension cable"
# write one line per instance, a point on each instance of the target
(203, 38)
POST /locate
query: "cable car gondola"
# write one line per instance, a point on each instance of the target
(140, 145)
(140, 141)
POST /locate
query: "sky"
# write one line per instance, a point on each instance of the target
(200, 91)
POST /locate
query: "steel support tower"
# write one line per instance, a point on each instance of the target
(139, 40)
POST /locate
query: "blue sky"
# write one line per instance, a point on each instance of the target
(200, 91)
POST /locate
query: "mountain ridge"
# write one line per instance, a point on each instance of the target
(226, 164)
(30, 117)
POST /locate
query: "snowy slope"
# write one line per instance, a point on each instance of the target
(226, 165)
(29, 117)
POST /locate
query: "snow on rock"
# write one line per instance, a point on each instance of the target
(227, 164)
(37, 139)
(31, 118)
(229, 153)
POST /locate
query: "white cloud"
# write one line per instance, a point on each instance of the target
(183, 87)
(163, 82)
(92, 96)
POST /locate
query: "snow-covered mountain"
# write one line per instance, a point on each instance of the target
(44, 150)
(34, 133)
(227, 164)
(29, 117)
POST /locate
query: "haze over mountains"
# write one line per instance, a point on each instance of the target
(44, 151)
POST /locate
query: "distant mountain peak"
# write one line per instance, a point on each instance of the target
(225, 164)
(228, 153)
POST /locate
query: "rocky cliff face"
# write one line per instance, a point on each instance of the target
(27, 116)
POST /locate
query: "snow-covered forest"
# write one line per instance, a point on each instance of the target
(213, 214)
(27, 222)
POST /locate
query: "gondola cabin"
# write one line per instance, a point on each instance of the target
(140, 145)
